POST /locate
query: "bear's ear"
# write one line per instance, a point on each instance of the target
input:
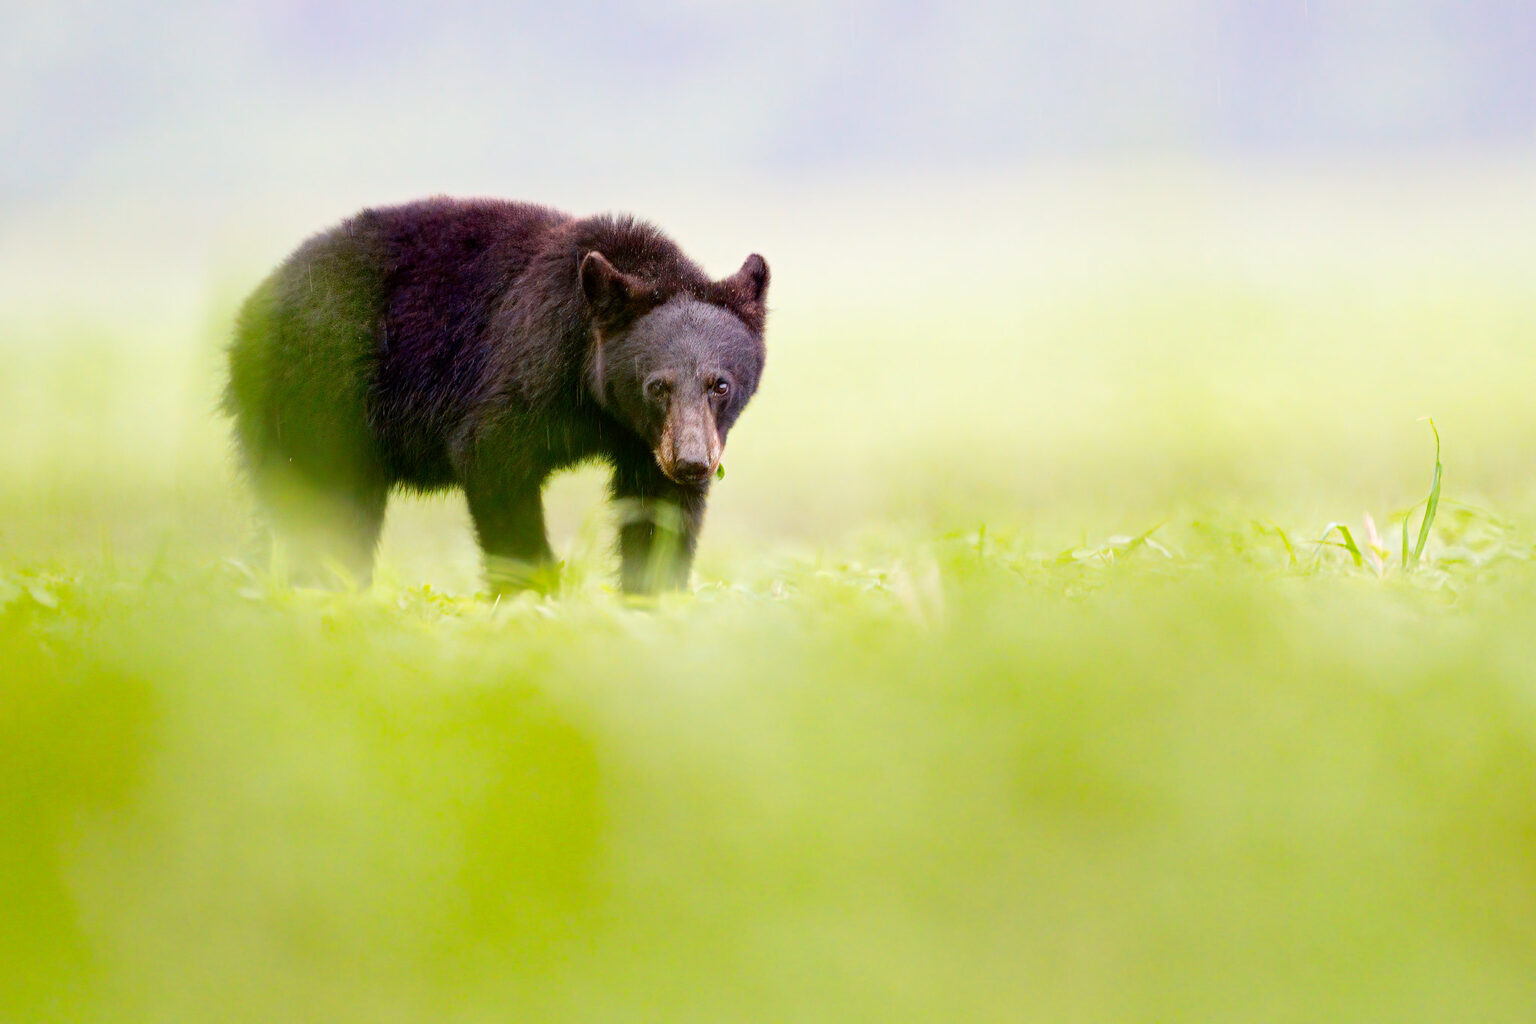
(750, 283)
(609, 291)
(744, 290)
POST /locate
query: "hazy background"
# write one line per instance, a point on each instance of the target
(186, 133)
(1096, 255)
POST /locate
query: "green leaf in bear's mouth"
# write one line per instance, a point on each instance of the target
(720, 471)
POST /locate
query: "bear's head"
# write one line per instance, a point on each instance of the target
(676, 366)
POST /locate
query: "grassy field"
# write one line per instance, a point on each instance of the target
(1014, 685)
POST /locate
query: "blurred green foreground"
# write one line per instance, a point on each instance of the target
(944, 732)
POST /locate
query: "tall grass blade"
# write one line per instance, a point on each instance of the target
(1431, 506)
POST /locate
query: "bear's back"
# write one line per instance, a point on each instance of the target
(447, 264)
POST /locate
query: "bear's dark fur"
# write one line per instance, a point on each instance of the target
(485, 344)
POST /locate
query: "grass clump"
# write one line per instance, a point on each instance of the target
(906, 778)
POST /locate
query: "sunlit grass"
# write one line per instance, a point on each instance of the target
(908, 779)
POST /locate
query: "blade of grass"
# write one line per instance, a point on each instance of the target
(1290, 549)
(1348, 545)
(1431, 506)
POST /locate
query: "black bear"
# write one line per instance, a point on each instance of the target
(484, 344)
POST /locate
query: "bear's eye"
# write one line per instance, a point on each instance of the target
(658, 389)
(720, 388)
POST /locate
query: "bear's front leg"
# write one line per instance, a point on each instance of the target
(659, 524)
(509, 521)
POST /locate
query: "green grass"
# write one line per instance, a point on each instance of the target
(952, 778)
(1046, 662)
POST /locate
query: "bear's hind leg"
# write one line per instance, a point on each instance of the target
(327, 536)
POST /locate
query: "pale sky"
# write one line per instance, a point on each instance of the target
(221, 99)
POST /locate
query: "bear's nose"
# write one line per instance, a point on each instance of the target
(690, 471)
